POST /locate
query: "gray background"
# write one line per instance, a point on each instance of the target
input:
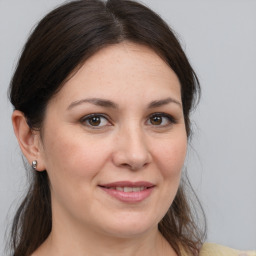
(219, 38)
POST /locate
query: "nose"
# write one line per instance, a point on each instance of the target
(131, 149)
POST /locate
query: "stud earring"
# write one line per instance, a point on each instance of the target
(34, 164)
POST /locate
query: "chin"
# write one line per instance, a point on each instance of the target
(130, 233)
(131, 227)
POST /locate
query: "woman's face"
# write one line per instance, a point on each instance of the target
(114, 143)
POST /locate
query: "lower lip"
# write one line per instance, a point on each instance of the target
(129, 197)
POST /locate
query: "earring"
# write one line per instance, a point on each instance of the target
(34, 164)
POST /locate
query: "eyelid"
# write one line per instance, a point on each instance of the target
(171, 118)
(101, 115)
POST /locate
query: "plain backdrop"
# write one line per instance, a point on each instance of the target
(219, 38)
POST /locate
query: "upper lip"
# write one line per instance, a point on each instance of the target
(128, 184)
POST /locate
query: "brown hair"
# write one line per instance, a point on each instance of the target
(61, 42)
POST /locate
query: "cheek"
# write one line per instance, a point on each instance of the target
(72, 163)
(73, 156)
(172, 156)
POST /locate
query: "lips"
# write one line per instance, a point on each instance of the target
(128, 186)
(127, 191)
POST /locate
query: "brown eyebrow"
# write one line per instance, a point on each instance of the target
(159, 103)
(111, 104)
(94, 101)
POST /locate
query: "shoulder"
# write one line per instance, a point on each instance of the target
(209, 249)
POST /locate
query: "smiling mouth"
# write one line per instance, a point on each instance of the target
(128, 186)
(127, 189)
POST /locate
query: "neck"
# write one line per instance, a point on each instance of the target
(70, 237)
(78, 243)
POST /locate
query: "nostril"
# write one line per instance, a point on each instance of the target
(126, 165)
(134, 166)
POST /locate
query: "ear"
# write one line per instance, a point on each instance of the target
(28, 139)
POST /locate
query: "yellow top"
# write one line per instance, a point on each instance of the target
(209, 249)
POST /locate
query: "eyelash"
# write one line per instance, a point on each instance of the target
(170, 119)
(86, 119)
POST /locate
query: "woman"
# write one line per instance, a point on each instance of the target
(102, 95)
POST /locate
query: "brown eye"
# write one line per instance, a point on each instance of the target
(156, 120)
(95, 121)
(161, 120)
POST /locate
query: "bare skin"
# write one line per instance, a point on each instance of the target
(126, 247)
(117, 120)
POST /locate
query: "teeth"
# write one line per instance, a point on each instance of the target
(129, 189)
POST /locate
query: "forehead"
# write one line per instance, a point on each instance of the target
(120, 71)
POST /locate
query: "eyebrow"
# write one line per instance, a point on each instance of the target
(159, 103)
(94, 101)
(111, 104)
